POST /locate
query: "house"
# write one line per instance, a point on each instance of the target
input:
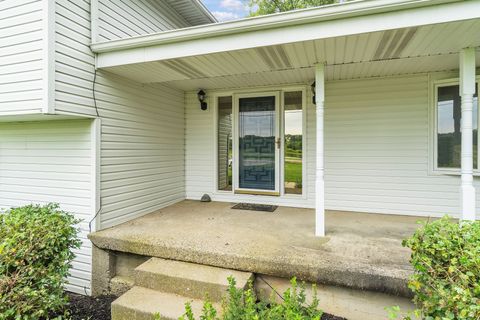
(118, 108)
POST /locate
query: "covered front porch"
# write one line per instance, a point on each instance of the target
(370, 127)
(360, 251)
(379, 130)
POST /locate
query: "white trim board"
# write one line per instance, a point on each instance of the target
(95, 145)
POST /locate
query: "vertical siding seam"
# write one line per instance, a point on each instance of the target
(94, 23)
(48, 56)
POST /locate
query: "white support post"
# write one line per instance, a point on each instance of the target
(467, 90)
(319, 174)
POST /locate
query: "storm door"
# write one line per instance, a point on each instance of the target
(257, 144)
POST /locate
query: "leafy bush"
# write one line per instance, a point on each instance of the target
(446, 260)
(243, 305)
(35, 256)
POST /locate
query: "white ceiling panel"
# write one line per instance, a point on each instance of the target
(444, 38)
(333, 72)
(148, 73)
(393, 52)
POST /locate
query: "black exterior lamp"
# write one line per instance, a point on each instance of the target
(314, 98)
(202, 97)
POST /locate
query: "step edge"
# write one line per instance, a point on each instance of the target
(239, 285)
(145, 266)
(119, 303)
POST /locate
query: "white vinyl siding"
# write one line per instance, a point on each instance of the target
(199, 148)
(142, 148)
(21, 54)
(50, 161)
(118, 19)
(74, 62)
(142, 127)
(376, 148)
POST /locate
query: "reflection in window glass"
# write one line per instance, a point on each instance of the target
(449, 137)
(293, 120)
(256, 143)
(224, 143)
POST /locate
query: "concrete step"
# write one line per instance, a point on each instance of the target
(120, 284)
(188, 279)
(142, 304)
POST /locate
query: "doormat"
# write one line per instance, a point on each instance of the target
(255, 207)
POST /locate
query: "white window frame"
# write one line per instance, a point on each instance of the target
(224, 93)
(433, 152)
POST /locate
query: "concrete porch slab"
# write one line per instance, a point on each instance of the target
(361, 251)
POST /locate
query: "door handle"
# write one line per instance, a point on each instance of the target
(278, 142)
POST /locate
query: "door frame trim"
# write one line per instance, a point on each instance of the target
(308, 110)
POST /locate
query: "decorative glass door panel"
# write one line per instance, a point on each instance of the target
(257, 143)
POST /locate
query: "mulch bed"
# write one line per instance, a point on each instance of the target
(327, 316)
(88, 308)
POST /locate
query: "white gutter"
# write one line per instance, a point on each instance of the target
(285, 19)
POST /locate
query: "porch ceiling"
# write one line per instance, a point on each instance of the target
(392, 52)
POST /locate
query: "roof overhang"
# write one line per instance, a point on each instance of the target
(194, 11)
(361, 39)
(356, 17)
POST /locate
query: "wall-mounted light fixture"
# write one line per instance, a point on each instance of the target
(202, 97)
(314, 98)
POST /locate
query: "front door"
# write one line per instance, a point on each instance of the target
(257, 144)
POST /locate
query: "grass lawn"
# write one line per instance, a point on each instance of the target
(293, 172)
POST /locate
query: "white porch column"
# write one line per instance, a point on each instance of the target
(467, 90)
(319, 174)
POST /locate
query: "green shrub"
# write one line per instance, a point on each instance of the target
(446, 261)
(243, 305)
(36, 245)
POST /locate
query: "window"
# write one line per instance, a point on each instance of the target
(224, 143)
(448, 127)
(293, 142)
